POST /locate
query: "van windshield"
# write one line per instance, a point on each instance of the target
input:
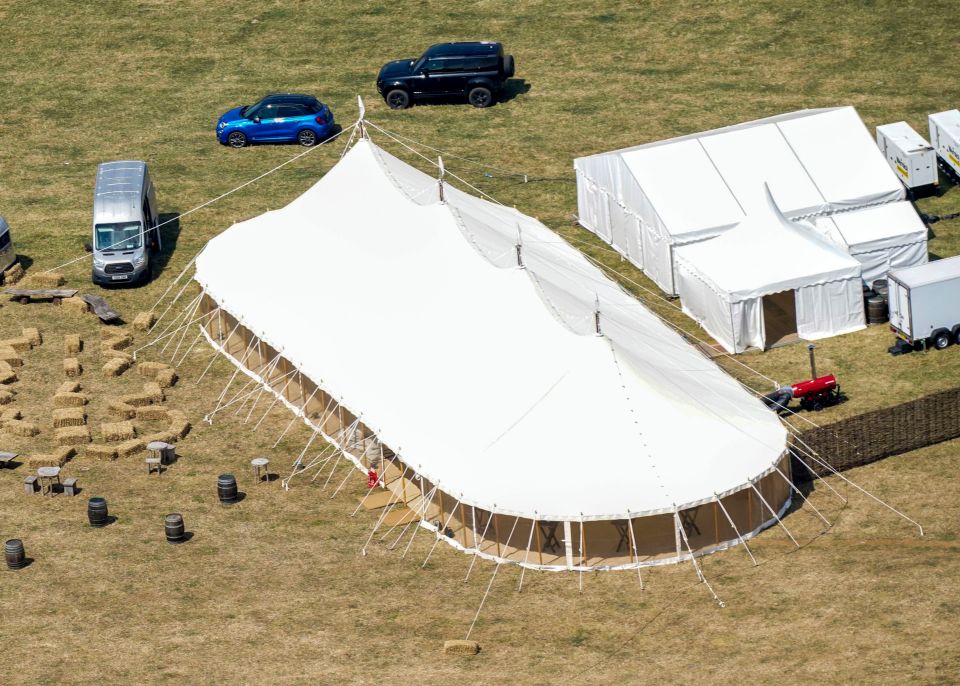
(122, 236)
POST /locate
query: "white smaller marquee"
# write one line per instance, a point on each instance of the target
(769, 279)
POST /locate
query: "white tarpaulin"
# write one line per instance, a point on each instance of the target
(666, 194)
(487, 378)
(881, 238)
(723, 282)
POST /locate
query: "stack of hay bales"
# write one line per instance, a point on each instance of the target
(69, 416)
(98, 451)
(152, 390)
(13, 275)
(7, 373)
(162, 373)
(73, 435)
(40, 280)
(71, 367)
(70, 399)
(57, 458)
(75, 304)
(152, 413)
(143, 321)
(118, 431)
(131, 447)
(72, 343)
(152, 393)
(179, 425)
(121, 410)
(113, 343)
(115, 366)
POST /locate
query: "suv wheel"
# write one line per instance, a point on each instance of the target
(480, 97)
(307, 138)
(398, 99)
(237, 139)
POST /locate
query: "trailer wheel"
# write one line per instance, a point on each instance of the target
(941, 339)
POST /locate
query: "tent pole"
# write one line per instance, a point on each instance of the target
(636, 555)
(735, 530)
(581, 547)
(693, 558)
(487, 526)
(805, 500)
(423, 514)
(716, 524)
(463, 528)
(440, 533)
(775, 515)
(526, 556)
(440, 512)
(496, 532)
(539, 546)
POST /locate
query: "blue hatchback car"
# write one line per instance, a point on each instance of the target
(278, 118)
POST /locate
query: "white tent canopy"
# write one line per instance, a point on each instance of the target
(881, 238)
(723, 282)
(648, 200)
(488, 379)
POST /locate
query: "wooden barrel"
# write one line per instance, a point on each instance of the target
(881, 288)
(97, 512)
(173, 527)
(14, 554)
(876, 310)
(227, 488)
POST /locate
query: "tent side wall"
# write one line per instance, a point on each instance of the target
(646, 539)
(830, 309)
(609, 202)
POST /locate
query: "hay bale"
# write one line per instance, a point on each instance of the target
(72, 344)
(20, 344)
(69, 416)
(115, 339)
(7, 375)
(57, 458)
(460, 647)
(151, 369)
(13, 275)
(44, 280)
(153, 413)
(178, 423)
(69, 400)
(136, 399)
(162, 436)
(115, 366)
(153, 390)
(71, 367)
(73, 435)
(122, 410)
(6, 397)
(10, 356)
(69, 387)
(131, 447)
(33, 335)
(98, 451)
(166, 378)
(64, 453)
(118, 431)
(117, 354)
(76, 305)
(9, 415)
(22, 428)
(143, 321)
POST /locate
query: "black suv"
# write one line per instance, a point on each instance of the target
(476, 70)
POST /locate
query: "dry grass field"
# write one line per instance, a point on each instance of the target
(274, 589)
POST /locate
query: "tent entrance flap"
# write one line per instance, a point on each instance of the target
(779, 319)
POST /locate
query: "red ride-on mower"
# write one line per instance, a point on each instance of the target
(815, 394)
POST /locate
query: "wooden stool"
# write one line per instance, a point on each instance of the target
(70, 486)
(30, 484)
(154, 463)
(259, 463)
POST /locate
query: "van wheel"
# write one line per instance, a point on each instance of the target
(941, 339)
(398, 99)
(237, 139)
(307, 138)
(480, 97)
(956, 334)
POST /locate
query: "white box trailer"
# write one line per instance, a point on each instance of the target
(924, 302)
(912, 158)
(945, 137)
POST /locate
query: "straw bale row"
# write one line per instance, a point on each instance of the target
(166, 436)
(143, 321)
(43, 280)
(20, 344)
(153, 413)
(137, 399)
(57, 458)
(115, 366)
(76, 305)
(10, 356)
(33, 335)
(153, 390)
(73, 435)
(6, 397)
(179, 424)
(69, 387)
(69, 416)
(72, 344)
(71, 367)
(118, 431)
(20, 427)
(131, 447)
(121, 410)
(13, 275)
(99, 451)
(70, 400)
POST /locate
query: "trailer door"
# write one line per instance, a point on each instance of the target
(900, 307)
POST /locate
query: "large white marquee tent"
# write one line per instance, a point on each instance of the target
(767, 280)
(504, 388)
(646, 201)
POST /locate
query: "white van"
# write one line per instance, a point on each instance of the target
(125, 233)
